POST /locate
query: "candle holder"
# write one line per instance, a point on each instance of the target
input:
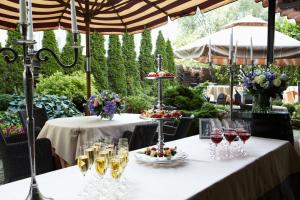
(28, 81)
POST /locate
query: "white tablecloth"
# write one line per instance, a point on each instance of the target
(67, 134)
(269, 163)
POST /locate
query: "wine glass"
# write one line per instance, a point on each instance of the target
(101, 162)
(123, 148)
(230, 135)
(216, 137)
(83, 160)
(109, 146)
(116, 166)
(244, 135)
(90, 153)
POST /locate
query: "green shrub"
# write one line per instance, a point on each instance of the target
(184, 98)
(137, 104)
(9, 119)
(72, 86)
(4, 101)
(10, 123)
(55, 106)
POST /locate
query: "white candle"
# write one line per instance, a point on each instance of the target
(209, 51)
(251, 50)
(230, 44)
(22, 11)
(30, 22)
(235, 52)
(73, 17)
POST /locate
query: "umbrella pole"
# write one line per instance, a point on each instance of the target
(231, 88)
(87, 19)
(271, 31)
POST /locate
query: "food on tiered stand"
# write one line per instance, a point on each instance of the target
(161, 114)
(161, 74)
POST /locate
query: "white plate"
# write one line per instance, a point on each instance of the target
(179, 156)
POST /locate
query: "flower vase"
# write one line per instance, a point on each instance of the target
(261, 103)
(107, 116)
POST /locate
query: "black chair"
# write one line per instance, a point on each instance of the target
(181, 131)
(141, 137)
(221, 99)
(40, 118)
(272, 125)
(15, 157)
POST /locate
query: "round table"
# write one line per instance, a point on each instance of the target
(67, 134)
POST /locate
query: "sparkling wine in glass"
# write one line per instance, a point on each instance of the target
(116, 168)
(83, 160)
(101, 163)
(90, 153)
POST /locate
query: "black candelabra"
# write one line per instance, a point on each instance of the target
(28, 81)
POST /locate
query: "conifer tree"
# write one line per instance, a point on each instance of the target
(14, 75)
(161, 49)
(146, 59)
(68, 55)
(50, 67)
(116, 69)
(131, 65)
(170, 57)
(3, 71)
(98, 61)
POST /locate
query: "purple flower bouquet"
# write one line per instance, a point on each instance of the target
(105, 105)
(263, 86)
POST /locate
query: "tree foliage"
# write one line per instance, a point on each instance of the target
(161, 49)
(50, 67)
(289, 28)
(170, 57)
(68, 55)
(146, 59)
(115, 64)
(131, 65)
(13, 75)
(98, 61)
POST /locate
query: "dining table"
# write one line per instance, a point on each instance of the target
(270, 169)
(67, 134)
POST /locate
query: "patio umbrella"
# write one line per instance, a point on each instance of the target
(286, 49)
(104, 16)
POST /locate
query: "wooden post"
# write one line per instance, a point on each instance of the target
(271, 32)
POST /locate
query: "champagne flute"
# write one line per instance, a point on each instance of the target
(90, 153)
(123, 149)
(116, 167)
(101, 162)
(83, 160)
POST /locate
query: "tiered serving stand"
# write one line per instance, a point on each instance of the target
(160, 105)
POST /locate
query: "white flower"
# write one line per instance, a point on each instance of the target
(276, 82)
(260, 79)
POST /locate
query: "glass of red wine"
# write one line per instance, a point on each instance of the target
(244, 135)
(229, 134)
(216, 137)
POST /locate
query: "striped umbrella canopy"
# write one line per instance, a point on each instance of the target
(104, 16)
